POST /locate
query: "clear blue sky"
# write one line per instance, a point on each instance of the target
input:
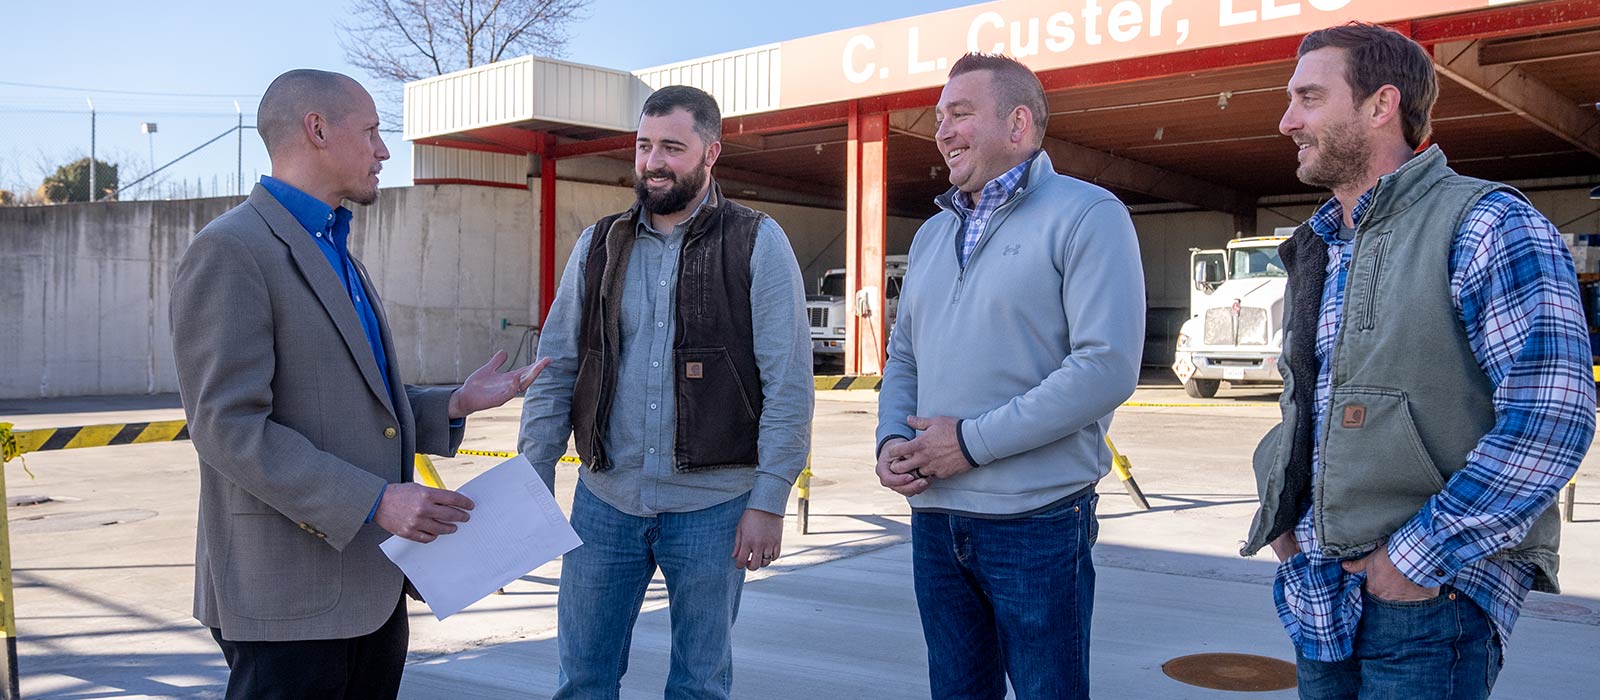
(229, 51)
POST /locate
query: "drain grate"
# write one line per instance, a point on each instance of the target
(1238, 672)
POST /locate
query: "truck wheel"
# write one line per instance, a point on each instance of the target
(1201, 388)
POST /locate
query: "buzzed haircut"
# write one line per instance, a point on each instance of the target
(699, 104)
(297, 93)
(1014, 86)
(1377, 56)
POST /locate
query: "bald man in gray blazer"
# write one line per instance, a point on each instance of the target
(304, 428)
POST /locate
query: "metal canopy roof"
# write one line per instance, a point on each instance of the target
(1197, 127)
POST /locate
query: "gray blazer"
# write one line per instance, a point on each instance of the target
(295, 432)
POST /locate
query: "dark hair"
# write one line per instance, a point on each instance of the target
(1377, 56)
(701, 106)
(295, 94)
(1014, 85)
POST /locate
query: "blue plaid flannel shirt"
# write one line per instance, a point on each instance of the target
(975, 217)
(1512, 279)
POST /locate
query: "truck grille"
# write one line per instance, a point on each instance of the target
(1252, 330)
(819, 317)
(1252, 326)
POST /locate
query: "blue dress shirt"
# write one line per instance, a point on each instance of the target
(330, 228)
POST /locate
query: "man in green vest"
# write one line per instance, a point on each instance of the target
(1437, 391)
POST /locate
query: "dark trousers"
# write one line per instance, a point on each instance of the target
(363, 668)
(1007, 599)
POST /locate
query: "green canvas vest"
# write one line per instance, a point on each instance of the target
(1407, 399)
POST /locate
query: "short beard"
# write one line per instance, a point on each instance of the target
(1343, 155)
(365, 199)
(677, 196)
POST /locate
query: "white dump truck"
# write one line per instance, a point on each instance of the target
(827, 309)
(1235, 328)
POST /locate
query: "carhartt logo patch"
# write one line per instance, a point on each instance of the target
(1012, 250)
(694, 370)
(1355, 416)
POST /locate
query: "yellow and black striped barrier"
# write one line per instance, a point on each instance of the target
(848, 383)
(15, 443)
(567, 459)
(21, 442)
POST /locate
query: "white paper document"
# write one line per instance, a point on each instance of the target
(516, 526)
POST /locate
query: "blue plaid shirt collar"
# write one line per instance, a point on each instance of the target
(1329, 218)
(994, 193)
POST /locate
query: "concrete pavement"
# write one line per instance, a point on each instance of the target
(104, 573)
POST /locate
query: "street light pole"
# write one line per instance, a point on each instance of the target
(92, 181)
(149, 129)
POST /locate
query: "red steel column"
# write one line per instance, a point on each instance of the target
(547, 227)
(866, 224)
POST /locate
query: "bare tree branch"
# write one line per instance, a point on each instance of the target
(398, 41)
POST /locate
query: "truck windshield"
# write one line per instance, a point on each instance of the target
(832, 285)
(1257, 262)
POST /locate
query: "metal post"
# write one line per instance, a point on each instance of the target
(1124, 469)
(803, 505)
(239, 154)
(547, 225)
(9, 689)
(92, 180)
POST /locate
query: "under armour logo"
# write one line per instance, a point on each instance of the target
(1012, 250)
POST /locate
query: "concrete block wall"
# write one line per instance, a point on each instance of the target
(84, 290)
(449, 262)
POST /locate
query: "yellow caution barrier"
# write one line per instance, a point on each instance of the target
(847, 383)
(18, 443)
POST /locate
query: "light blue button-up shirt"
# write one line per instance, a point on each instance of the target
(641, 433)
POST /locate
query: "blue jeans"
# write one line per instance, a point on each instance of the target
(603, 584)
(1006, 598)
(1443, 648)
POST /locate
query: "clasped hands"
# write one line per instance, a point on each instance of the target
(908, 467)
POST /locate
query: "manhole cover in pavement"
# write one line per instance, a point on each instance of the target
(66, 522)
(1242, 672)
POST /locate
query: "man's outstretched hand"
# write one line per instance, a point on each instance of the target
(488, 387)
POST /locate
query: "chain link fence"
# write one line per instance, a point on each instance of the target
(144, 145)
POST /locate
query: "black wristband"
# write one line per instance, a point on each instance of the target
(962, 441)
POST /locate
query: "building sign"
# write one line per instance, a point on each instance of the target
(916, 52)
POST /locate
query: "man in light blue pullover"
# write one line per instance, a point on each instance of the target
(1019, 331)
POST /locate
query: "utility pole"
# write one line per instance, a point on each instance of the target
(238, 187)
(92, 181)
